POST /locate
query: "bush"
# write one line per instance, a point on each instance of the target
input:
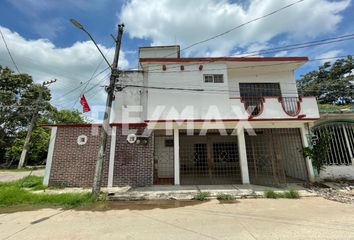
(225, 197)
(202, 196)
(271, 194)
(292, 193)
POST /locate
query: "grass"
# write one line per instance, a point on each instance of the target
(202, 196)
(225, 197)
(291, 193)
(330, 107)
(20, 192)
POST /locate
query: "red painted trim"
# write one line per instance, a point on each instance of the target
(129, 124)
(233, 120)
(93, 125)
(299, 100)
(286, 119)
(72, 125)
(227, 59)
(250, 116)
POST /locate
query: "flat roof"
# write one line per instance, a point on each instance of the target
(228, 59)
(162, 46)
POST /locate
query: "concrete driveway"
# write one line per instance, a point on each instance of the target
(307, 218)
(7, 176)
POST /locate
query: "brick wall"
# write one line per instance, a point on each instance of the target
(133, 163)
(74, 165)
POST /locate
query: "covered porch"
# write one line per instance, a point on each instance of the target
(268, 154)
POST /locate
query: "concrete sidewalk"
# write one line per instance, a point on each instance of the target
(188, 192)
(307, 218)
(7, 176)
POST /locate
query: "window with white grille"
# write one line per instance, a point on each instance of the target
(214, 78)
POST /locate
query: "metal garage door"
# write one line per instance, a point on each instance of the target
(210, 159)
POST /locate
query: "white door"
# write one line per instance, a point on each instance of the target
(164, 156)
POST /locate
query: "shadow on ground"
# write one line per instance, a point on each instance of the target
(109, 205)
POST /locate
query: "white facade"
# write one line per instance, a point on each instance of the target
(170, 93)
(337, 172)
(177, 95)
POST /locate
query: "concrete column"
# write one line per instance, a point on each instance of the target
(243, 156)
(48, 165)
(350, 150)
(176, 154)
(112, 154)
(305, 143)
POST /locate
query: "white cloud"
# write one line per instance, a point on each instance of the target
(329, 54)
(281, 54)
(163, 21)
(70, 66)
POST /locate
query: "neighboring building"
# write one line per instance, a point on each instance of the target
(339, 158)
(195, 121)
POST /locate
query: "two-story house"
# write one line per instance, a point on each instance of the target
(185, 121)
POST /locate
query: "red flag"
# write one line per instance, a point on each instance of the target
(84, 103)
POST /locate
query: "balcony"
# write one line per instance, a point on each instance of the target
(278, 108)
(192, 108)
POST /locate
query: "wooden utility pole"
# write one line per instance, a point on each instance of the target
(96, 188)
(25, 148)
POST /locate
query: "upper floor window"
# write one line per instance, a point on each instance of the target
(260, 90)
(214, 78)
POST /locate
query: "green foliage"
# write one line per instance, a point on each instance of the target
(225, 197)
(202, 196)
(331, 107)
(64, 116)
(38, 147)
(269, 193)
(31, 181)
(329, 82)
(14, 193)
(291, 193)
(317, 152)
(19, 101)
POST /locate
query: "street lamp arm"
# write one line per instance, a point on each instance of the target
(81, 27)
(93, 40)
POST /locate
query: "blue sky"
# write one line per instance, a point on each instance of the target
(46, 45)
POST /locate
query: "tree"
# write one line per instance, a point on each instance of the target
(18, 99)
(330, 82)
(37, 150)
(66, 116)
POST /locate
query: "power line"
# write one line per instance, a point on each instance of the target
(282, 48)
(239, 26)
(72, 90)
(8, 51)
(83, 90)
(75, 98)
(234, 28)
(218, 91)
(251, 66)
(302, 45)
